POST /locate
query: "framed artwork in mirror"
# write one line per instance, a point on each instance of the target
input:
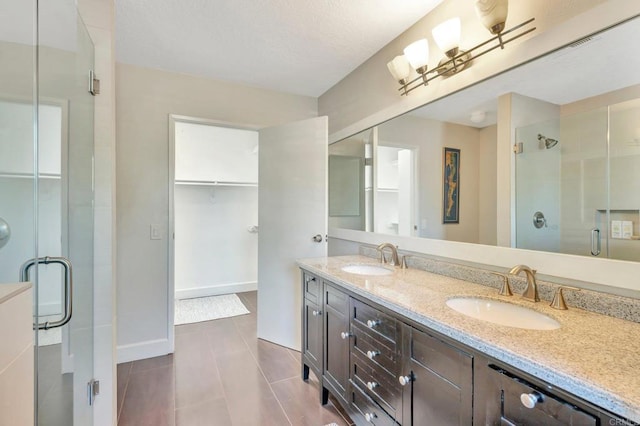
(451, 186)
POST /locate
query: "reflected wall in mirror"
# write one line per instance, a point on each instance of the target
(562, 92)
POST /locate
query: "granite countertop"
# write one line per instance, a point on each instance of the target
(8, 291)
(592, 356)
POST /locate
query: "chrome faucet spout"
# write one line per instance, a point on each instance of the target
(531, 292)
(394, 253)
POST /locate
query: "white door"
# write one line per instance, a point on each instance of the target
(292, 209)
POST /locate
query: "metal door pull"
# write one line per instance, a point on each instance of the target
(68, 288)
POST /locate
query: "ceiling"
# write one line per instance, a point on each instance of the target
(296, 46)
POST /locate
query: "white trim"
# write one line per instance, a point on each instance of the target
(215, 290)
(144, 350)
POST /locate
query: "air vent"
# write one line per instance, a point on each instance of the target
(582, 41)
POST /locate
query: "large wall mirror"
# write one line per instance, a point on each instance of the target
(574, 119)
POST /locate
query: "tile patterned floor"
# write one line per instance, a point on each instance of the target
(221, 374)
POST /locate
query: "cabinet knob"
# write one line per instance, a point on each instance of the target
(370, 417)
(372, 385)
(373, 323)
(530, 400)
(345, 335)
(372, 354)
(404, 380)
(316, 313)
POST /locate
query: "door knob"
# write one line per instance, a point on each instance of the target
(530, 400)
(345, 335)
(372, 354)
(404, 380)
(317, 238)
(316, 313)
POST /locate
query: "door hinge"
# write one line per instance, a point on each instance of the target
(94, 84)
(93, 390)
(518, 148)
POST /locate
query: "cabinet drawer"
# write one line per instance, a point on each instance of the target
(381, 352)
(377, 383)
(445, 360)
(337, 300)
(375, 320)
(369, 410)
(312, 288)
(548, 410)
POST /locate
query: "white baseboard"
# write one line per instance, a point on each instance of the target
(215, 290)
(143, 350)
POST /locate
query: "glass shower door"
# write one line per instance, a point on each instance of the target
(562, 191)
(46, 195)
(65, 213)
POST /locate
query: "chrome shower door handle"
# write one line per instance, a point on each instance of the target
(595, 242)
(68, 287)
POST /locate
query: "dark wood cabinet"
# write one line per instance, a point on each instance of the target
(312, 315)
(385, 369)
(336, 343)
(437, 381)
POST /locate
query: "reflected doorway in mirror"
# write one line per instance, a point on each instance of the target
(451, 186)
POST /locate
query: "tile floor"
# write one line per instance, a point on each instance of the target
(221, 374)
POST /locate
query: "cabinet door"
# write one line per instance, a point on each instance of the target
(312, 338)
(442, 382)
(336, 350)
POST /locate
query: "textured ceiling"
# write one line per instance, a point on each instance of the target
(295, 46)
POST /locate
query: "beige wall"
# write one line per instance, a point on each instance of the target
(487, 186)
(145, 99)
(430, 137)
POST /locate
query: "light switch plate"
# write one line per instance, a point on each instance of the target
(156, 232)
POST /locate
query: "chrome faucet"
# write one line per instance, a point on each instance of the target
(394, 253)
(531, 292)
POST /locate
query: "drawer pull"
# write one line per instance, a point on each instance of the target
(530, 400)
(372, 385)
(309, 279)
(316, 313)
(405, 380)
(345, 335)
(373, 323)
(370, 417)
(372, 354)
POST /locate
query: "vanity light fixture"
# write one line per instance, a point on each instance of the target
(447, 37)
(417, 53)
(493, 15)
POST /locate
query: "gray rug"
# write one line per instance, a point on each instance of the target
(188, 311)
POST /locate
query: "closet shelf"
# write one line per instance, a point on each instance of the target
(29, 176)
(215, 183)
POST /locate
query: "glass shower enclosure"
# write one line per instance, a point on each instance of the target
(46, 194)
(578, 183)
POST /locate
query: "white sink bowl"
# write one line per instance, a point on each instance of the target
(502, 313)
(367, 270)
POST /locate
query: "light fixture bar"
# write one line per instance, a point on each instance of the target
(465, 58)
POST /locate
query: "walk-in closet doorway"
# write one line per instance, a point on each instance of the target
(214, 204)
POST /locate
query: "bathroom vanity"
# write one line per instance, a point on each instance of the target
(390, 351)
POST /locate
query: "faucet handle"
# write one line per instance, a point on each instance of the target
(403, 263)
(505, 289)
(558, 298)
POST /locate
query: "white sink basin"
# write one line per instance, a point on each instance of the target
(367, 270)
(502, 313)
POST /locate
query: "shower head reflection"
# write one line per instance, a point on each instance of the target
(548, 142)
